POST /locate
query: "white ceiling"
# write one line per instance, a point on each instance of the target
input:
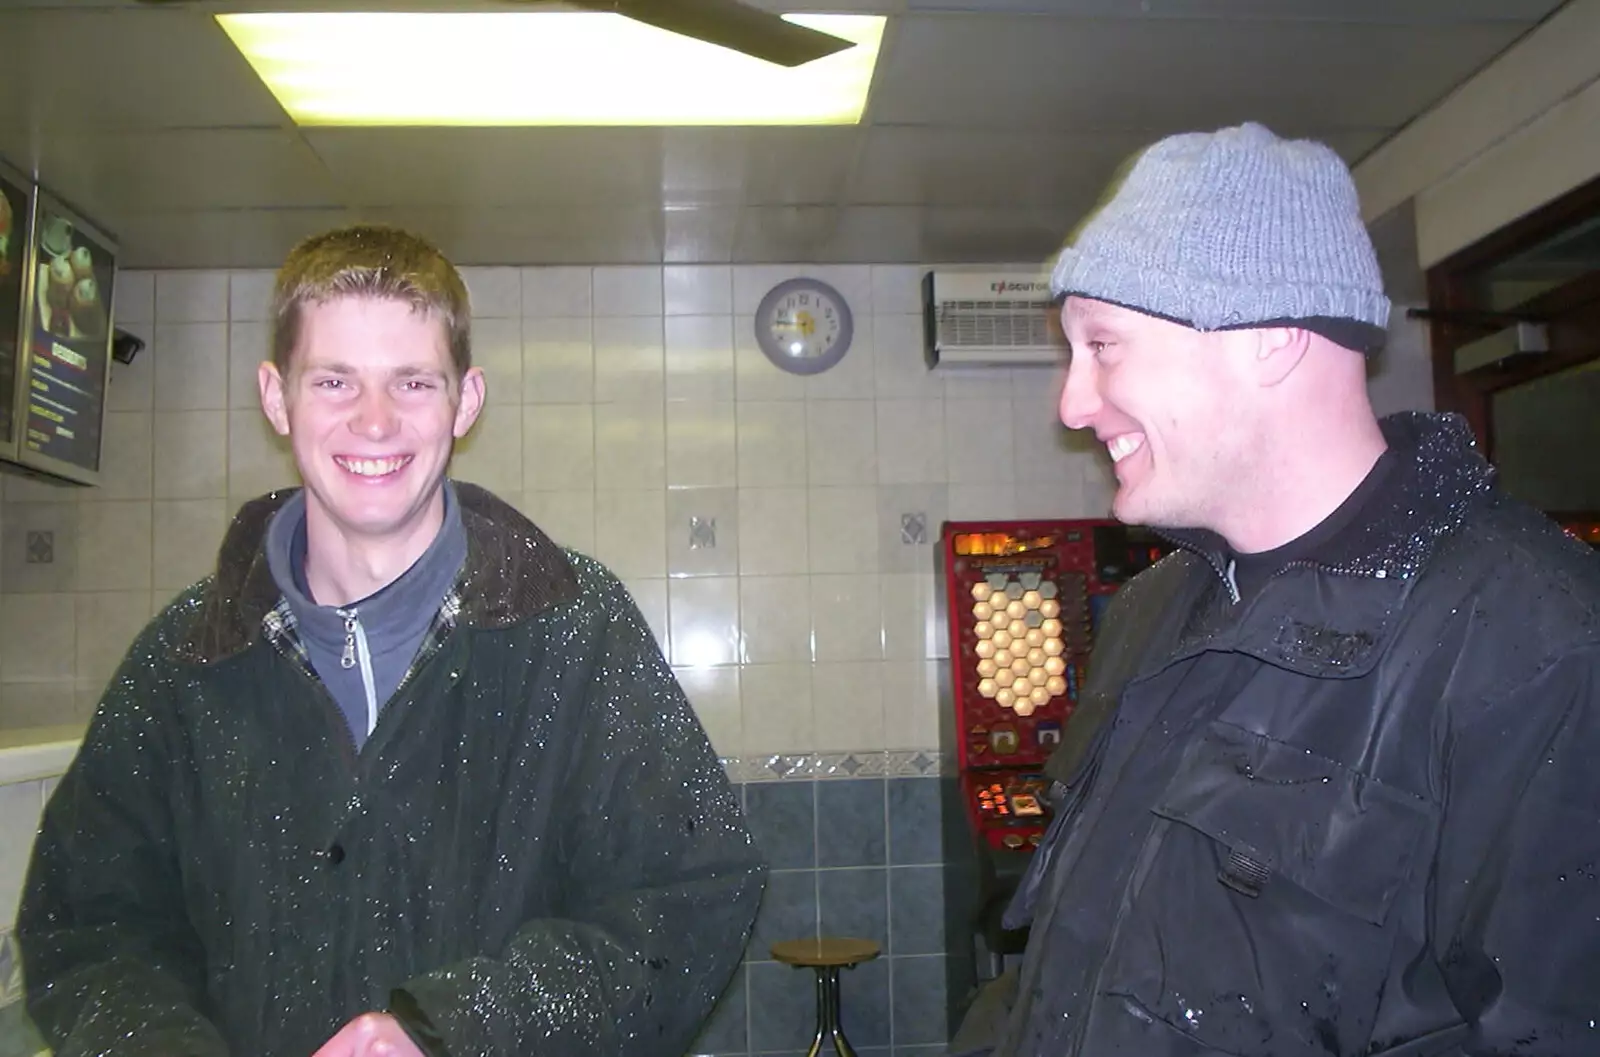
(992, 126)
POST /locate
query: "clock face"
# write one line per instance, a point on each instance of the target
(804, 326)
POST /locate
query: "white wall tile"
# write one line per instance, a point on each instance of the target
(704, 616)
(249, 346)
(755, 378)
(772, 444)
(714, 693)
(114, 546)
(135, 296)
(497, 351)
(630, 531)
(557, 361)
(491, 455)
(558, 447)
(630, 445)
(191, 297)
(842, 529)
(699, 357)
(847, 617)
(912, 704)
(842, 442)
(979, 441)
(775, 619)
(910, 439)
(777, 711)
(191, 455)
(250, 295)
(259, 461)
(186, 535)
(108, 622)
(495, 292)
(847, 705)
(702, 445)
(191, 362)
(697, 289)
(132, 385)
(628, 291)
(127, 459)
(899, 361)
(556, 292)
(629, 364)
(38, 638)
(897, 288)
(774, 531)
(566, 516)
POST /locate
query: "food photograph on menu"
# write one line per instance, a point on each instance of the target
(70, 340)
(14, 213)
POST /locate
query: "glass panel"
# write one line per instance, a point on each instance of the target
(1547, 439)
(1560, 259)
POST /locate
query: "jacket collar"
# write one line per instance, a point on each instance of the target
(1440, 476)
(1341, 630)
(512, 571)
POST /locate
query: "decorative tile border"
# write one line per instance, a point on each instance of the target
(808, 767)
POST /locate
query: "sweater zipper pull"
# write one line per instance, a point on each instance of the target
(348, 658)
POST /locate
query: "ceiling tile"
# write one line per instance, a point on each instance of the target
(784, 233)
(1432, 11)
(757, 166)
(1166, 74)
(559, 235)
(996, 235)
(918, 164)
(699, 234)
(237, 238)
(493, 167)
(116, 174)
(132, 68)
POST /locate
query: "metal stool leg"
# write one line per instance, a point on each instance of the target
(829, 1030)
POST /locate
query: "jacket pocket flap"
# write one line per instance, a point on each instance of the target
(1339, 834)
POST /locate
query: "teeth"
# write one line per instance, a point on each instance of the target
(1125, 445)
(374, 467)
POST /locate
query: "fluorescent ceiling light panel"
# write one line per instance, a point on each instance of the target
(542, 68)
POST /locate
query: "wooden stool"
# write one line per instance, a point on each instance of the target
(827, 956)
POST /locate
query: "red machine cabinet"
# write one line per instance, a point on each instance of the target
(1023, 600)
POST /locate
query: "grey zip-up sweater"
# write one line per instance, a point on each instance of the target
(363, 650)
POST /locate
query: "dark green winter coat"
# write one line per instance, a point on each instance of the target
(536, 854)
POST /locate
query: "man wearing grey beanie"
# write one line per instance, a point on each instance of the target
(1331, 787)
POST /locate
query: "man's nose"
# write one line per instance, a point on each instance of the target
(1080, 397)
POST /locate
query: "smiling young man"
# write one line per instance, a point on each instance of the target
(1331, 787)
(402, 776)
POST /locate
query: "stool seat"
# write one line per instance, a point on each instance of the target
(826, 955)
(825, 951)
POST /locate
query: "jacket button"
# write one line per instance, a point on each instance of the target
(335, 854)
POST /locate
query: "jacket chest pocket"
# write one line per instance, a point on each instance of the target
(1264, 911)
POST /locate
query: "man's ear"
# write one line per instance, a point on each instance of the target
(273, 397)
(1279, 350)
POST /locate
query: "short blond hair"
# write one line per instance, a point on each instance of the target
(370, 260)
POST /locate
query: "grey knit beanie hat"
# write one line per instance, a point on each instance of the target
(1231, 230)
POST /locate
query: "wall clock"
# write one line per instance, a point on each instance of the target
(804, 326)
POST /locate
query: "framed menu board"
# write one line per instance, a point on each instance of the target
(59, 410)
(16, 240)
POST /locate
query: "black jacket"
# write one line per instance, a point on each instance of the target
(1358, 813)
(536, 853)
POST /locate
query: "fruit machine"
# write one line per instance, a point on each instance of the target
(1585, 527)
(1023, 601)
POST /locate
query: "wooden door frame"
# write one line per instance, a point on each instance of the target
(1570, 311)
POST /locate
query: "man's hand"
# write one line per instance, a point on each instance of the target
(370, 1035)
